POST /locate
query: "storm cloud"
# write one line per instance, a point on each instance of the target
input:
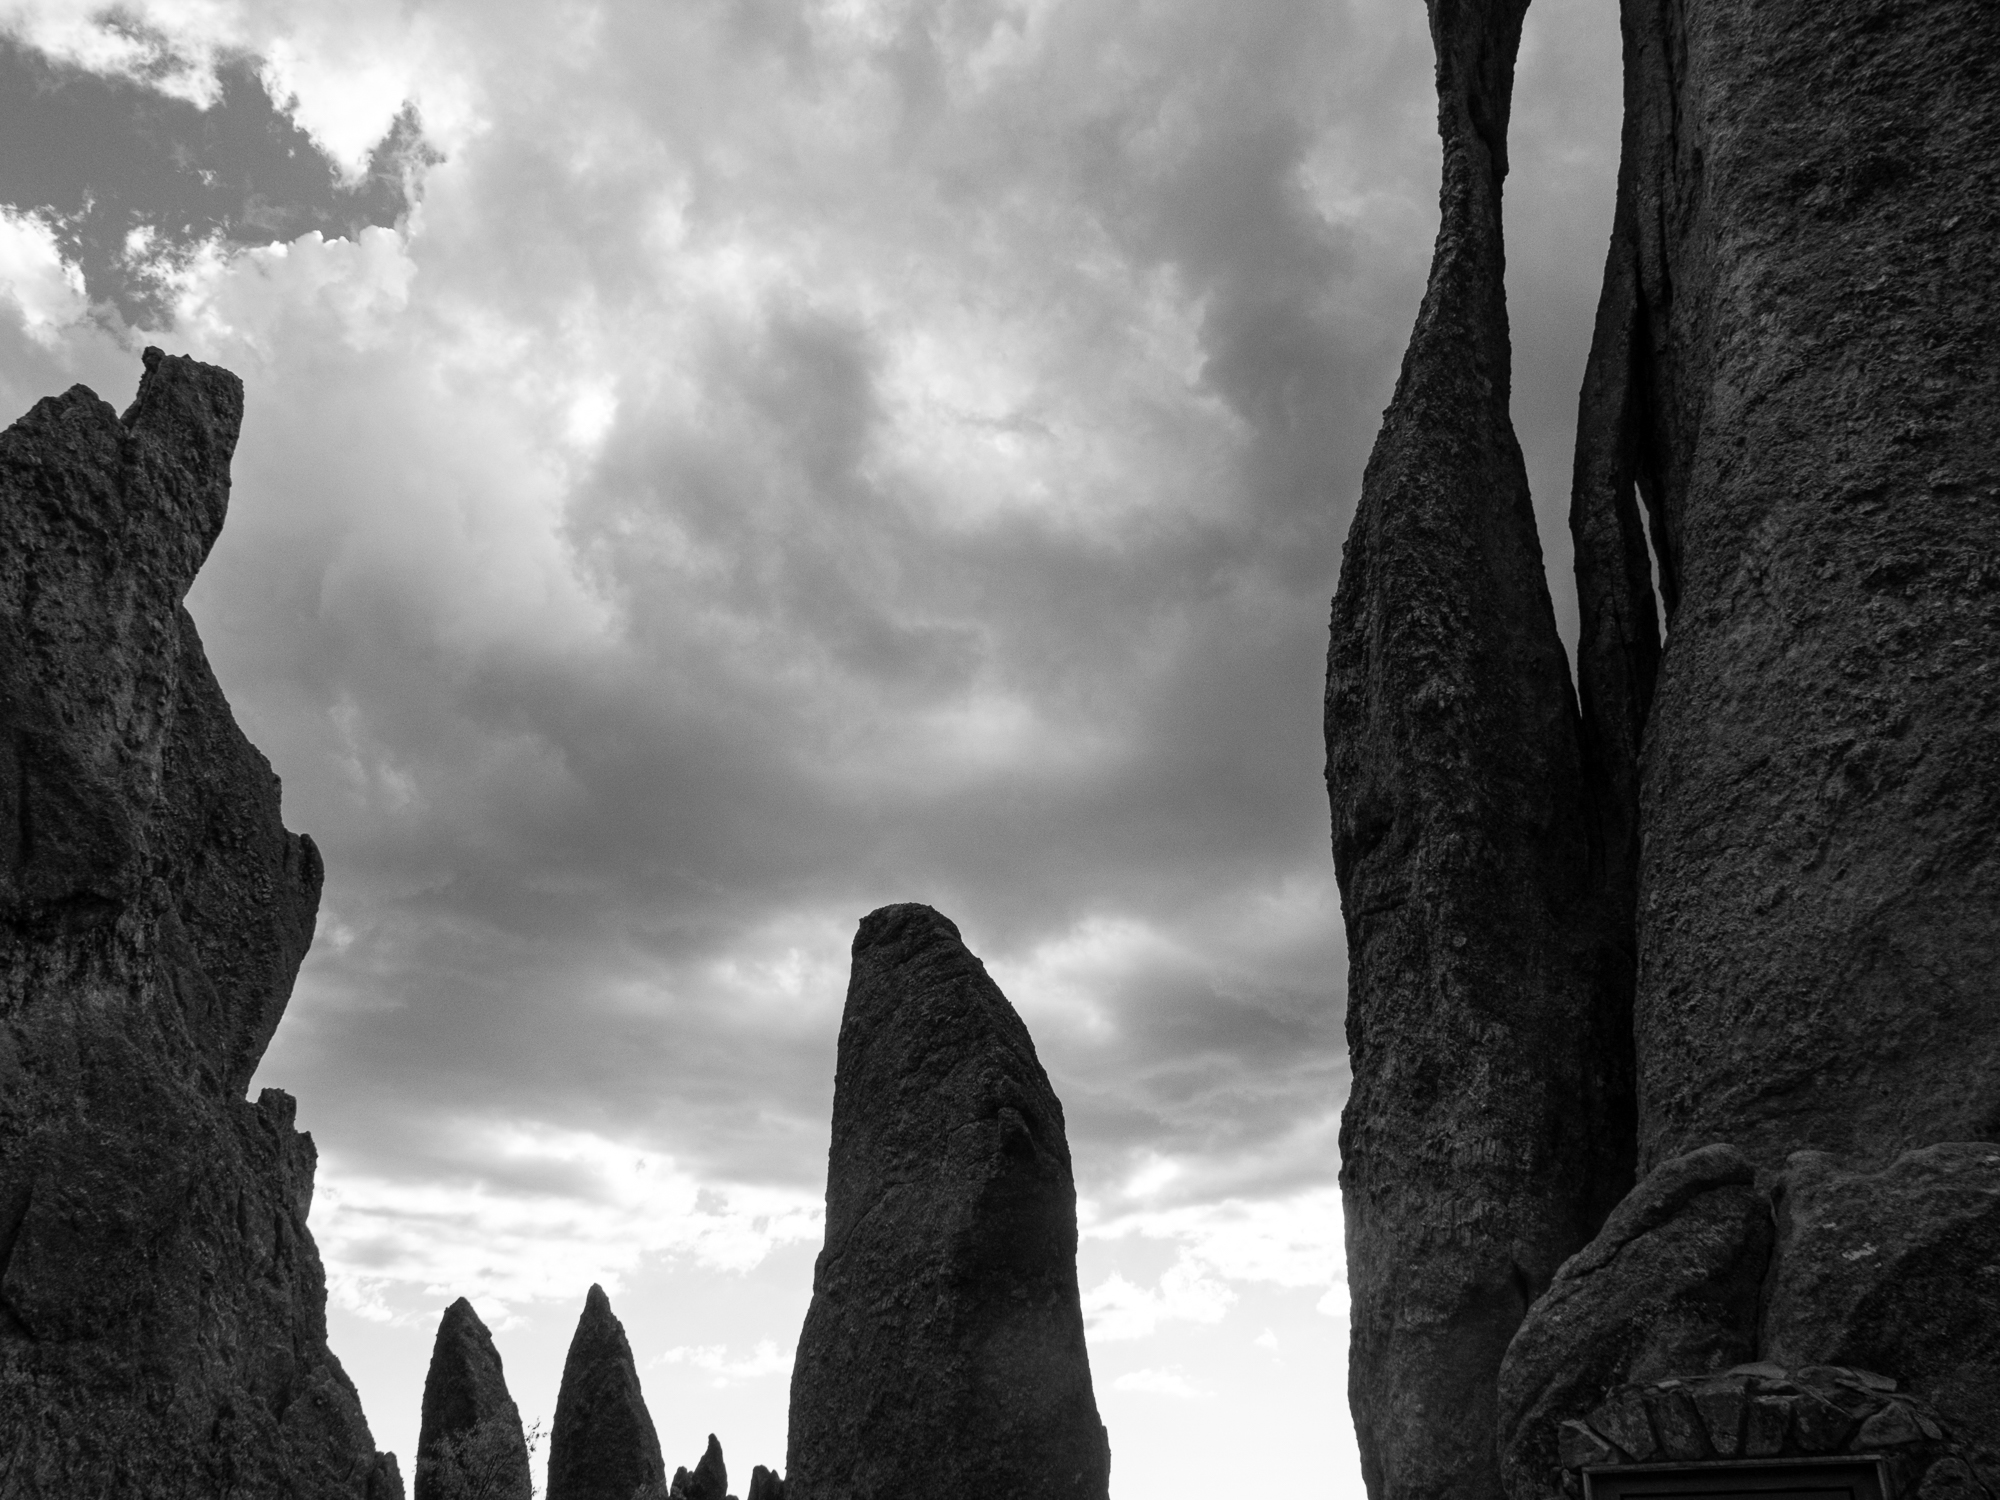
(711, 469)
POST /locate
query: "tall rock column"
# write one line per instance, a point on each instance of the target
(1794, 371)
(603, 1445)
(1489, 1126)
(470, 1446)
(162, 1307)
(943, 1352)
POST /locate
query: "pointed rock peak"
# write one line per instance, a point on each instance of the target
(943, 1352)
(709, 1479)
(471, 1442)
(603, 1442)
(764, 1485)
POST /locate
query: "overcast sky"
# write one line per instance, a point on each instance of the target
(713, 467)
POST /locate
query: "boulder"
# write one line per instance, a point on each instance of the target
(943, 1351)
(1896, 1268)
(1668, 1288)
(470, 1446)
(603, 1446)
(162, 1305)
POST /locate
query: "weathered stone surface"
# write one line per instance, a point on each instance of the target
(602, 1444)
(1898, 1270)
(1488, 1129)
(1668, 1288)
(764, 1485)
(943, 1352)
(162, 1307)
(470, 1446)
(1793, 366)
(708, 1480)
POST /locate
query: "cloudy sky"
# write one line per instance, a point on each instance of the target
(712, 467)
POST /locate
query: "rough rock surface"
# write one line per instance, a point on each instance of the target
(943, 1352)
(707, 1480)
(1763, 1411)
(470, 1446)
(1793, 366)
(1489, 1128)
(764, 1485)
(162, 1307)
(1668, 1288)
(1897, 1270)
(603, 1444)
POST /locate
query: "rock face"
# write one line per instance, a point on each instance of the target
(1669, 1287)
(603, 1446)
(1896, 1269)
(1489, 1128)
(470, 1446)
(162, 1307)
(943, 1352)
(1793, 367)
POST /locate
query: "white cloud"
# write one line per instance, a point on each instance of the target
(46, 290)
(528, 1212)
(1118, 1309)
(1171, 1381)
(765, 1360)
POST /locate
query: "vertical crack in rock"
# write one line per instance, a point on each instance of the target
(1489, 1126)
(164, 1323)
(1794, 370)
(603, 1442)
(943, 1353)
(470, 1446)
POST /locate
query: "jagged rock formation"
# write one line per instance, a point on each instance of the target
(162, 1307)
(943, 1352)
(1489, 1126)
(603, 1444)
(708, 1480)
(764, 1485)
(1793, 367)
(470, 1446)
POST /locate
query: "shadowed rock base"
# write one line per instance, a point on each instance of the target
(471, 1446)
(943, 1353)
(162, 1307)
(603, 1444)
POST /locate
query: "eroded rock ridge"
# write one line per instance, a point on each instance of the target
(162, 1307)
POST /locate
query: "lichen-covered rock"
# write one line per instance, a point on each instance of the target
(162, 1307)
(1896, 1269)
(470, 1446)
(707, 1480)
(943, 1352)
(603, 1443)
(1668, 1288)
(1489, 1127)
(1793, 370)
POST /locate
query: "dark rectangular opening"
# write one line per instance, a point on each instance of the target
(1749, 1479)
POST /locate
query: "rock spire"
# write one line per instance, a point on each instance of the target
(470, 1446)
(603, 1444)
(162, 1306)
(943, 1352)
(1489, 1128)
